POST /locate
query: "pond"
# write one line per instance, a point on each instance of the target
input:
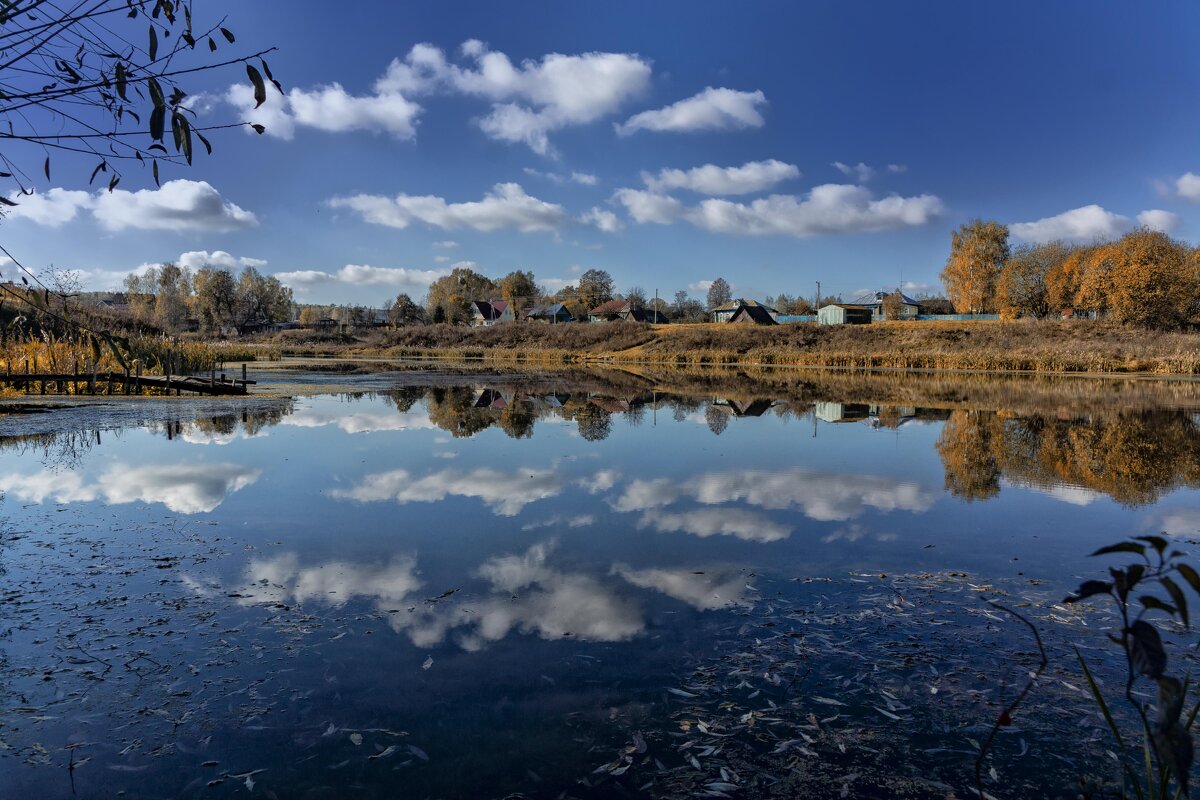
(444, 583)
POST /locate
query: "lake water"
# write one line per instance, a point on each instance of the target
(426, 584)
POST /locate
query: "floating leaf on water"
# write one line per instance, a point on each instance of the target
(356, 739)
(428, 662)
(418, 752)
(681, 693)
(389, 750)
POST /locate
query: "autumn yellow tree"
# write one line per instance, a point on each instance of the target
(978, 251)
(1063, 279)
(1152, 280)
(1022, 287)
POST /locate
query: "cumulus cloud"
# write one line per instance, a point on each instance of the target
(283, 580)
(1159, 220)
(1187, 186)
(195, 259)
(830, 208)
(860, 171)
(1179, 522)
(649, 206)
(703, 590)
(361, 421)
(753, 176)
(710, 110)
(530, 100)
(704, 522)
(602, 481)
(897, 169)
(826, 209)
(52, 208)
(506, 206)
(179, 205)
(601, 219)
(361, 275)
(820, 496)
(183, 488)
(1077, 225)
(505, 493)
(446, 244)
(328, 108)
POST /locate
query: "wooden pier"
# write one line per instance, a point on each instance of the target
(123, 383)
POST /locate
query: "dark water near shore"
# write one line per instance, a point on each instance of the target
(487, 586)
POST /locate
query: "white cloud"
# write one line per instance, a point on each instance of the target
(529, 100)
(603, 220)
(1159, 220)
(53, 208)
(328, 108)
(506, 206)
(362, 421)
(644, 206)
(704, 522)
(179, 205)
(441, 259)
(820, 496)
(183, 488)
(1077, 225)
(753, 176)
(555, 284)
(505, 493)
(860, 171)
(711, 109)
(582, 178)
(361, 275)
(897, 169)
(703, 590)
(282, 580)
(1187, 186)
(446, 244)
(700, 286)
(195, 259)
(602, 481)
(830, 208)
(1180, 522)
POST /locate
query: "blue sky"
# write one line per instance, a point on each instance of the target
(668, 143)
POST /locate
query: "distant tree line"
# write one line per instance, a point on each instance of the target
(1144, 278)
(211, 299)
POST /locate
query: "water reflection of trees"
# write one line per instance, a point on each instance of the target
(1134, 457)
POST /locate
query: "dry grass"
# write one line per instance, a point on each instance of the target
(994, 346)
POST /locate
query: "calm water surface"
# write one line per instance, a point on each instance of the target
(487, 586)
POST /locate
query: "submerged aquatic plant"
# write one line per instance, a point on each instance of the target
(1166, 739)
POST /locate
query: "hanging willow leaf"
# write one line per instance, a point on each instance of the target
(158, 123)
(228, 34)
(156, 93)
(203, 141)
(153, 44)
(212, 46)
(47, 168)
(259, 129)
(260, 89)
(122, 81)
(155, 170)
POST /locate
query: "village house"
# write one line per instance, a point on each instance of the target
(623, 311)
(549, 313)
(485, 313)
(726, 313)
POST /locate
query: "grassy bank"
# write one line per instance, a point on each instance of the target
(1034, 346)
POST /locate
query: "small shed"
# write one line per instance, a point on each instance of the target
(844, 314)
(549, 313)
(610, 311)
(652, 315)
(727, 312)
(756, 314)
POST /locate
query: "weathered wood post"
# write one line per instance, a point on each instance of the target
(110, 383)
(137, 380)
(243, 374)
(42, 383)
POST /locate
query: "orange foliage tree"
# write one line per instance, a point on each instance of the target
(1152, 280)
(978, 250)
(1022, 288)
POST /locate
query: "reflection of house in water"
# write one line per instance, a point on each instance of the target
(842, 412)
(490, 398)
(742, 408)
(892, 417)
